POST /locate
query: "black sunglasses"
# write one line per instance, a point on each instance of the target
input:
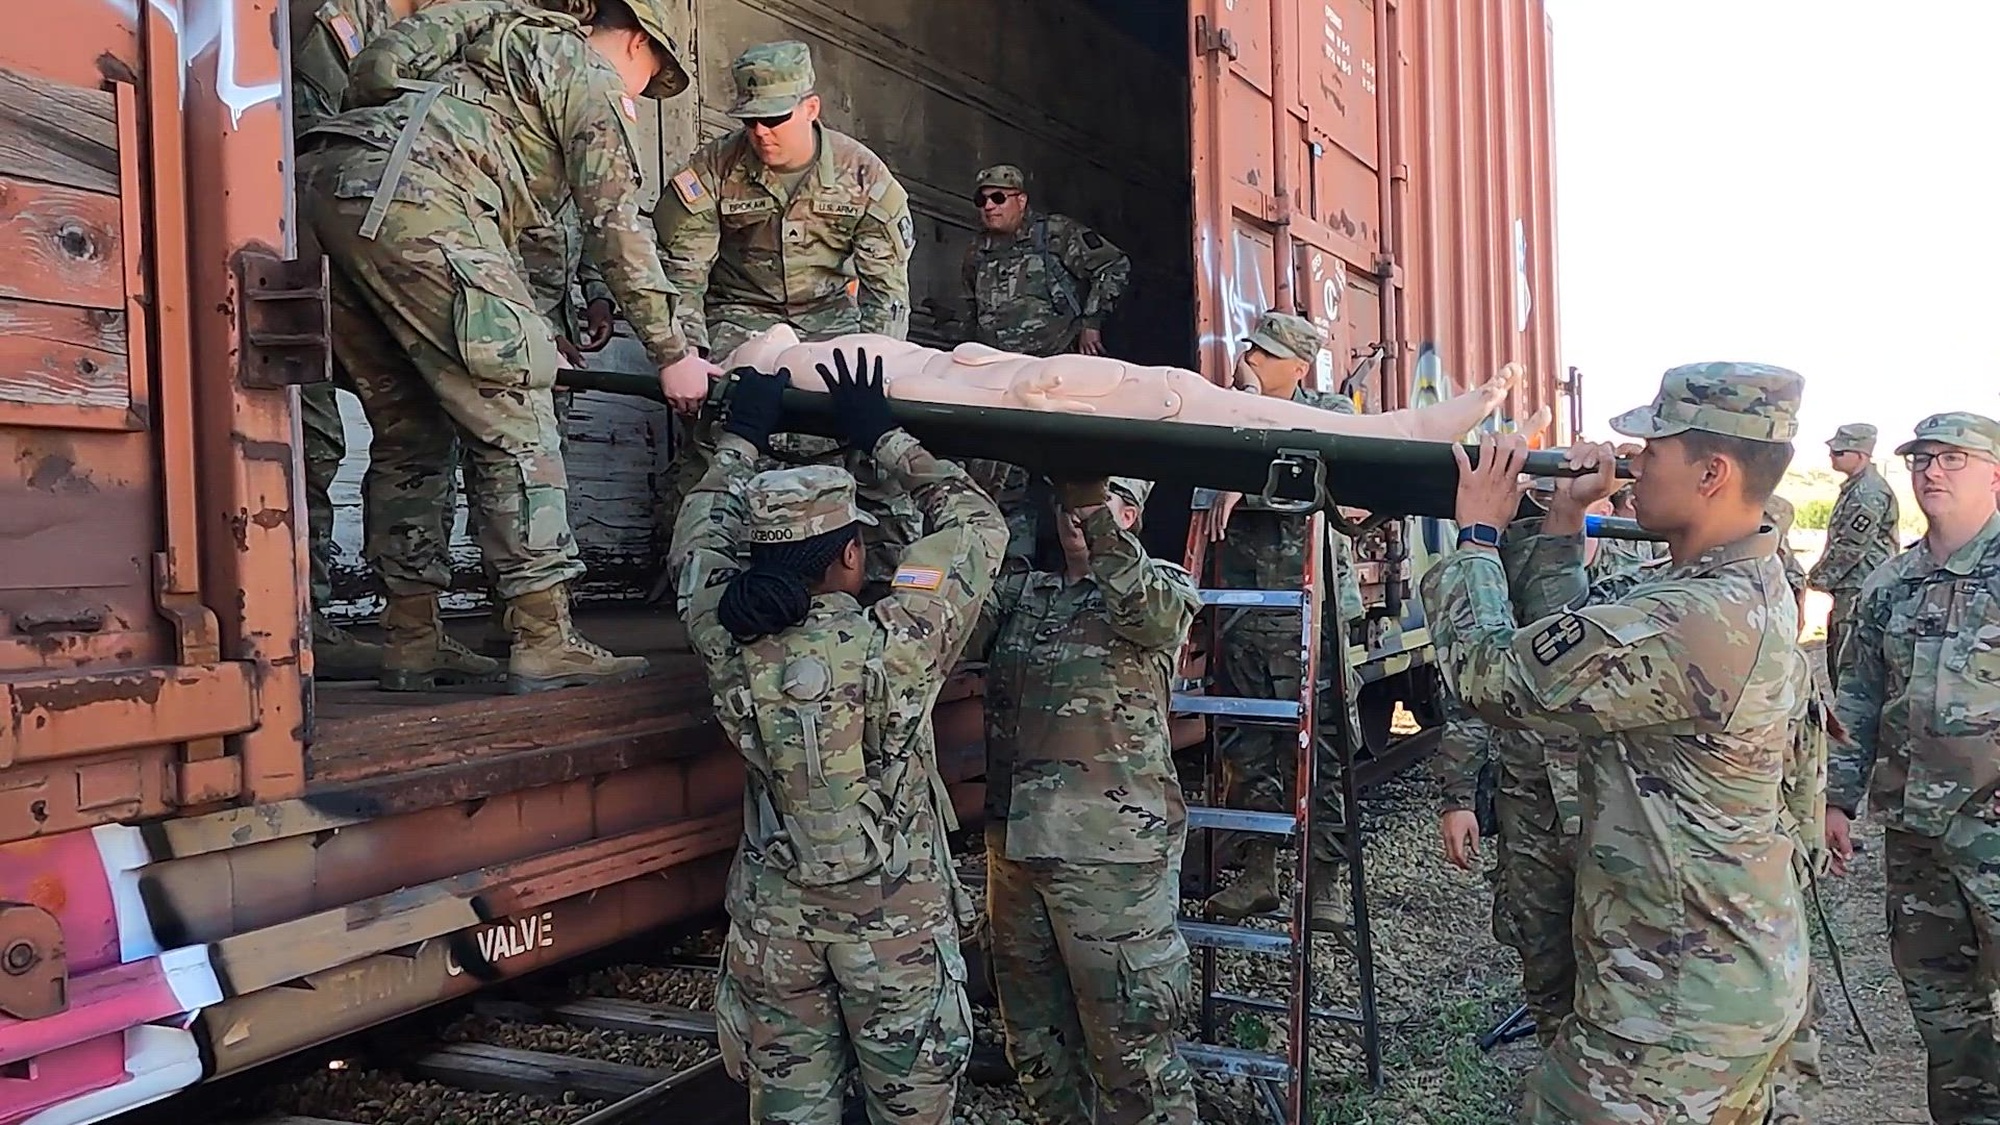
(770, 122)
(990, 198)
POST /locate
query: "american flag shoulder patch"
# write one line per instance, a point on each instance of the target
(917, 578)
(687, 185)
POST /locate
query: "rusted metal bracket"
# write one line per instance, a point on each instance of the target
(287, 330)
(1211, 40)
(34, 969)
(1296, 463)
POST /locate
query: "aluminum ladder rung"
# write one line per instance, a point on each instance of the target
(1237, 709)
(1248, 940)
(1235, 1063)
(1240, 820)
(1254, 599)
(1237, 1000)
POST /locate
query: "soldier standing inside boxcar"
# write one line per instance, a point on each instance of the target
(843, 951)
(786, 221)
(325, 40)
(1920, 701)
(1860, 534)
(468, 124)
(1038, 284)
(1682, 678)
(1085, 821)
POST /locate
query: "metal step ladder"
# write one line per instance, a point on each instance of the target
(1283, 1076)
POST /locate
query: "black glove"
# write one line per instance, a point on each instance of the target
(860, 406)
(756, 404)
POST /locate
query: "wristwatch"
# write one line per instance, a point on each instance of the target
(1483, 534)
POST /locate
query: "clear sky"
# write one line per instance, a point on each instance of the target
(1812, 184)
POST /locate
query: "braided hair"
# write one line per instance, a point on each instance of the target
(610, 15)
(774, 593)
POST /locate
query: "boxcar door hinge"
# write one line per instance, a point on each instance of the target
(1212, 40)
(287, 331)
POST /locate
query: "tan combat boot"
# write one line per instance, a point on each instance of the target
(1256, 890)
(1326, 902)
(549, 653)
(340, 655)
(420, 656)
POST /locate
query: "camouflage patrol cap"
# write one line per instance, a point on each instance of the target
(1974, 433)
(1753, 401)
(1287, 336)
(1855, 437)
(793, 505)
(771, 79)
(673, 77)
(1005, 176)
(1133, 489)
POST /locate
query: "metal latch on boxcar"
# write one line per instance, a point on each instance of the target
(34, 970)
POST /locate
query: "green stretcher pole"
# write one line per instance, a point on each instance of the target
(1388, 477)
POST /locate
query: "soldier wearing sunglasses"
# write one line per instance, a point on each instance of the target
(786, 221)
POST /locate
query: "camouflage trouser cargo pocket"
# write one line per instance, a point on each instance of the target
(1153, 981)
(947, 1042)
(502, 341)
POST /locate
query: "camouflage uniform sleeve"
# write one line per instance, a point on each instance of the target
(319, 65)
(415, 49)
(882, 244)
(1462, 752)
(1577, 670)
(934, 599)
(1150, 603)
(690, 235)
(592, 280)
(1546, 572)
(1863, 691)
(993, 614)
(588, 107)
(1091, 256)
(708, 534)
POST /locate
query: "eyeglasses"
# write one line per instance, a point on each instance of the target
(769, 122)
(1951, 460)
(990, 198)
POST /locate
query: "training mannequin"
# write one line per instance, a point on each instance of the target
(976, 375)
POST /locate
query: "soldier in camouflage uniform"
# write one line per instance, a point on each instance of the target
(468, 125)
(788, 222)
(1920, 702)
(843, 950)
(1039, 285)
(1538, 819)
(1682, 678)
(1779, 513)
(325, 40)
(1265, 550)
(1860, 534)
(1085, 820)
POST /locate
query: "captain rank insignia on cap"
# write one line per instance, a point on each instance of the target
(687, 185)
(918, 578)
(1561, 636)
